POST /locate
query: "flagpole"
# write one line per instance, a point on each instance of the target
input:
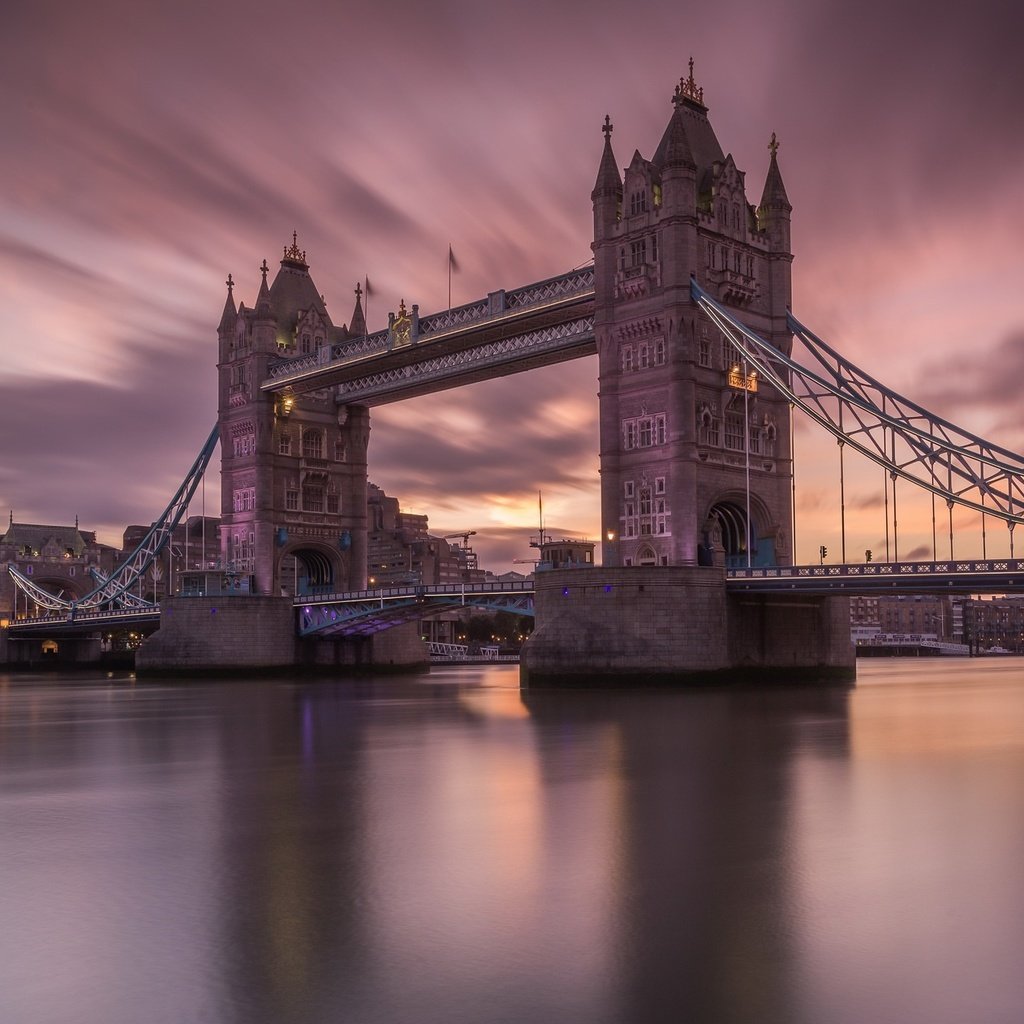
(449, 277)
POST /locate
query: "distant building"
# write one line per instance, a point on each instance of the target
(994, 625)
(938, 617)
(56, 558)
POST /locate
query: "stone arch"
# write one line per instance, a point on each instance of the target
(726, 534)
(646, 555)
(311, 568)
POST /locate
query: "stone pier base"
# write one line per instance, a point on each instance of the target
(667, 625)
(245, 634)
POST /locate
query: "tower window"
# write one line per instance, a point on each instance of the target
(638, 253)
(312, 444)
(291, 501)
(643, 356)
(659, 351)
(284, 444)
(638, 202)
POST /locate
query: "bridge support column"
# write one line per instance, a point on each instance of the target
(669, 625)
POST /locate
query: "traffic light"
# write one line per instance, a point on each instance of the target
(867, 555)
(823, 551)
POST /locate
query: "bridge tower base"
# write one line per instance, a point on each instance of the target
(676, 625)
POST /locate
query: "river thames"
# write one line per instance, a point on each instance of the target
(449, 849)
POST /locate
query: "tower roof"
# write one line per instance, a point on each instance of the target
(690, 120)
(608, 181)
(293, 291)
(774, 194)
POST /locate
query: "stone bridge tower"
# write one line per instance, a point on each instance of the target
(683, 426)
(293, 468)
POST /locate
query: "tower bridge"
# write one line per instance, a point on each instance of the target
(688, 308)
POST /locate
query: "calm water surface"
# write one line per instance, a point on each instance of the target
(446, 849)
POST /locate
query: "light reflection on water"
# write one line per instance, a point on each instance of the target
(446, 848)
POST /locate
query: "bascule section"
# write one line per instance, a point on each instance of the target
(293, 466)
(696, 462)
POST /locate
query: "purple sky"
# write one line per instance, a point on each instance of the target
(148, 152)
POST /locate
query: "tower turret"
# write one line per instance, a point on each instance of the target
(607, 194)
(357, 325)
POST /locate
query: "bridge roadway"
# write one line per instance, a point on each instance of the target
(540, 324)
(365, 612)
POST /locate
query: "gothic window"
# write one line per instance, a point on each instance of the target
(735, 217)
(312, 444)
(654, 248)
(750, 266)
(645, 501)
(704, 347)
(306, 344)
(734, 432)
(656, 189)
(312, 498)
(643, 356)
(638, 253)
(659, 485)
(339, 451)
(711, 255)
(644, 431)
(630, 509)
(332, 503)
(723, 257)
(627, 358)
(627, 488)
(284, 444)
(659, 352)
(638, 202)
(736, 262)
(238, 374)
(291, 501)
(243, 444)
(622, 259)
(629, 435)
(707, 427)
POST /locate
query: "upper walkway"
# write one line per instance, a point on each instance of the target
(547, 322)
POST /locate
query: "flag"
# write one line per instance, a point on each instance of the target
(367, 290)
(452, 265)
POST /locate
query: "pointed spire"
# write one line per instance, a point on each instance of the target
(774, 196)
(227, 318)
(263, 299)
(357, 325)
(609, 182)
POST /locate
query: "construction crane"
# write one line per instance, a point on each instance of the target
(467, 552)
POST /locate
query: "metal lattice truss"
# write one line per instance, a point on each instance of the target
(115, 590)
(367, 614)
(908, 441)
(455, 367)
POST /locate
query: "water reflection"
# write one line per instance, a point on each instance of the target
(448, 849)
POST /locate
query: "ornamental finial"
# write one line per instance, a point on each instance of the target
(293, 252)
(773, 146)
(264, 270)
(687, 89)
(230, 283)
(607, 127)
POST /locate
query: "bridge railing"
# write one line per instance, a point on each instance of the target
(879, 569)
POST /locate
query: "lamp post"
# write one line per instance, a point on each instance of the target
(610, 538)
